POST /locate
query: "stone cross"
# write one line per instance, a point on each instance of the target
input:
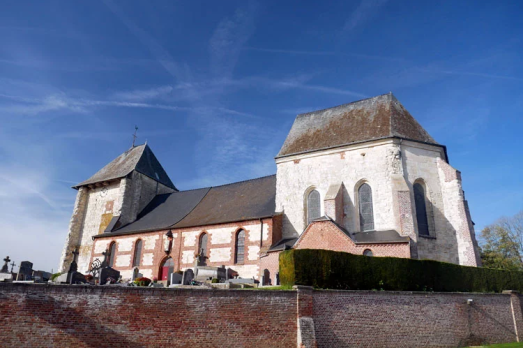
(5, 268)
(75, 254)
(12, 266)
(74, 266)
(105, 254)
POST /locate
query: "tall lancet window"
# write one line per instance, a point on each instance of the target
(240, 247)
(202, 250)
(112, 254)
(313, 206)
(421, 210)
(137, 253)
(365, 205)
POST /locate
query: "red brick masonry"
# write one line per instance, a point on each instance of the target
(82, 316)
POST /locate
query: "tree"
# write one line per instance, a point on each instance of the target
(502, 245)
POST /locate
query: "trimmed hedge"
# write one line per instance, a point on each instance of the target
(337, 270)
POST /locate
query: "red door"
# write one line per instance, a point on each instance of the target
(167, 269)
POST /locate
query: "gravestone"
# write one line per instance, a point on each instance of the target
(72, 276)
(4, 273)
(106, 271)
(5, 268)
(188, 276)
(176, 278)
(25, 271)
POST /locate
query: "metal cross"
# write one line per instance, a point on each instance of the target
(134, 135)
(12, 266)
(7, 260)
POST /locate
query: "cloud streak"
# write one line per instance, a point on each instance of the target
(365, 10)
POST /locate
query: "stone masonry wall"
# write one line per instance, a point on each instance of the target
(78, 316)
(421, 166)
(34, 315)
(296, 175)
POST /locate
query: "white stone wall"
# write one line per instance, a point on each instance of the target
(97, 197)
(350, 165)
(420, 163)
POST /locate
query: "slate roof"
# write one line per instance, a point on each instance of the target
(139, 158)
(240, 201)
(364, 120)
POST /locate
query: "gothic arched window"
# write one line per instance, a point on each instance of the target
(365, 205)
(421, 210)
(202, 245)
(240, 247)
(137, 253)
(112, 254)
(313, 206)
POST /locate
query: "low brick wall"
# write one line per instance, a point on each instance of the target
(83, 316)
(80, 316)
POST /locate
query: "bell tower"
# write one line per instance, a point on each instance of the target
(112, 198)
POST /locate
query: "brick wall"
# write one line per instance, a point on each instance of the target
(402, 319)
(326, 235)
(83, 316)
(78, 316)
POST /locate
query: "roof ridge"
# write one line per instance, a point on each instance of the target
(239, 182)
(346, 104)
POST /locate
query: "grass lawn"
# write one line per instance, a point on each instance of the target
(504, 345)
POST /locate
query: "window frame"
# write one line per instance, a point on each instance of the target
(236, 247)
(137, 259)
(362, 222)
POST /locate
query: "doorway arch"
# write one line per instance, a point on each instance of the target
(166, 269)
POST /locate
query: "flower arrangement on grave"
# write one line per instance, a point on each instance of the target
(89, 278)
(110, 280)
(155, 279)
(142, 281)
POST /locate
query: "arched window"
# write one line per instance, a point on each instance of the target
(240, 247)
(112, 254)
(313, 206)
(365, 204)
(202, 245)
(367, 252)
(421, 210)
(137, 253)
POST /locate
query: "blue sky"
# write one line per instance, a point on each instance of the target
(214, 88)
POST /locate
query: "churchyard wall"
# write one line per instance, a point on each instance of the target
(82, 316)
(79, 316)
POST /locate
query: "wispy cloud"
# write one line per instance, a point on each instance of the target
(365, 10)
(228, 39)
(325, 53)
(159, 53)
(467, 73)
(144, 94)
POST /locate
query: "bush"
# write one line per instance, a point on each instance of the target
(55, 275)
(337, 270)
(214, 280)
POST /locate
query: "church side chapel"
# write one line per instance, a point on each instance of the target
(363, 178)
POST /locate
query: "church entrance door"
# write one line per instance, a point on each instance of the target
(167, 269)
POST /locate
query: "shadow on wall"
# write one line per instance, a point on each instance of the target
(86, 330)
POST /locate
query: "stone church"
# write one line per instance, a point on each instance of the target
(363, 178)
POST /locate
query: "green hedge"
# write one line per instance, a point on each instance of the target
(337, 270)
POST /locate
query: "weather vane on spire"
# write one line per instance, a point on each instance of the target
(134, 135)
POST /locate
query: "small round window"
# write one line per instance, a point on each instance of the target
(367, 252)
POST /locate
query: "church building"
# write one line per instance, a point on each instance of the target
(363, 178)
